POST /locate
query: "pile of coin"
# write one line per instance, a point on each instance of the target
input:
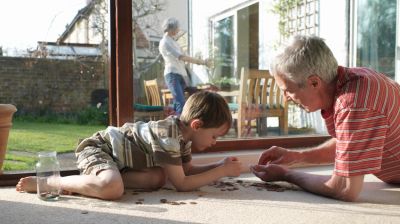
(232, 185)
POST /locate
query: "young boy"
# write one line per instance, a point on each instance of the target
(144, 155)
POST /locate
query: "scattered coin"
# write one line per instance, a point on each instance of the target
(224, 185)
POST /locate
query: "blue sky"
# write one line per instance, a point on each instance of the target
(24, 22)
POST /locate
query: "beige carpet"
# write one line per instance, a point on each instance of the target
(240, 200)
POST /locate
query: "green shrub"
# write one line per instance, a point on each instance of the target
(89, 116)
(93, 116)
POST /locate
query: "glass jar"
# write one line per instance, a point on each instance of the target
(48, 176)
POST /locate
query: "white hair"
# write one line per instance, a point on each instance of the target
(170, 24)
(305, 56)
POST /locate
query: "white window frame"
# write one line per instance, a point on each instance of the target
(223, 15)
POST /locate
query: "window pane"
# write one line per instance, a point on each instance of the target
(54, 70)
(237, 33)
(376, 35)
(223, 52)
(229, 34)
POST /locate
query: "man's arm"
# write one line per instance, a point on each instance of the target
(321, 154)
(342, 188)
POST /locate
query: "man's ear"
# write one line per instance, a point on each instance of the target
(196, 124)
(314, 81)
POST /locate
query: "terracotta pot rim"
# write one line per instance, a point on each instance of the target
(7, 108)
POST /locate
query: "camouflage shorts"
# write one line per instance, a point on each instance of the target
(93, 159)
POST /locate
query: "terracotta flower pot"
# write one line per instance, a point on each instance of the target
(6, 114)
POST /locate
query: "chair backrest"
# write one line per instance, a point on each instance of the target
(260, 97)
(167, 97)
(258, 87)
(152, 92)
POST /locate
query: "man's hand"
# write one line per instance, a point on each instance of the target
(278, 155)
(269, 172)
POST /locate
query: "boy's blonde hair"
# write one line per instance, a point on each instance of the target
(211, 108)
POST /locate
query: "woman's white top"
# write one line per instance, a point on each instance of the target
(171, 51)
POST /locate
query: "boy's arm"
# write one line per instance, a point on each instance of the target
(182, 182)
(191, 169)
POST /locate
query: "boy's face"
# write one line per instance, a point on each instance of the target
(203, 138)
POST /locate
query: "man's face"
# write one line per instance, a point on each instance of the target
(306, 97)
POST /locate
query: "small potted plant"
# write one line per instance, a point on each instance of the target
(226, 84)
(6, 113)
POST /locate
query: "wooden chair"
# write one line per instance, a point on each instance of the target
(154, 109)
(259, 98)
(152, 92)
(167, 97)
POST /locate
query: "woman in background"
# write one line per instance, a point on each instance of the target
(175, 73)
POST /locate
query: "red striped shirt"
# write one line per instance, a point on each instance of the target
(366, 124)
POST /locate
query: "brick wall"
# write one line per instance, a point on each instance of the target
(34, 85)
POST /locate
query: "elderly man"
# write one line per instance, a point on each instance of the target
(361, 111)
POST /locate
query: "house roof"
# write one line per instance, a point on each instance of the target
(141, 39)
(82, 14)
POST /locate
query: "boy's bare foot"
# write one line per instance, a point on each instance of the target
(29, 184)
(26, 184)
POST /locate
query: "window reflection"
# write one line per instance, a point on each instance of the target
(373, 50)
(223, 33)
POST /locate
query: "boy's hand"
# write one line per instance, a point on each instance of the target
(232, 166)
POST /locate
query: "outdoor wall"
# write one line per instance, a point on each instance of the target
(34, 85)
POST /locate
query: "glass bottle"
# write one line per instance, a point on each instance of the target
(48, 176)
